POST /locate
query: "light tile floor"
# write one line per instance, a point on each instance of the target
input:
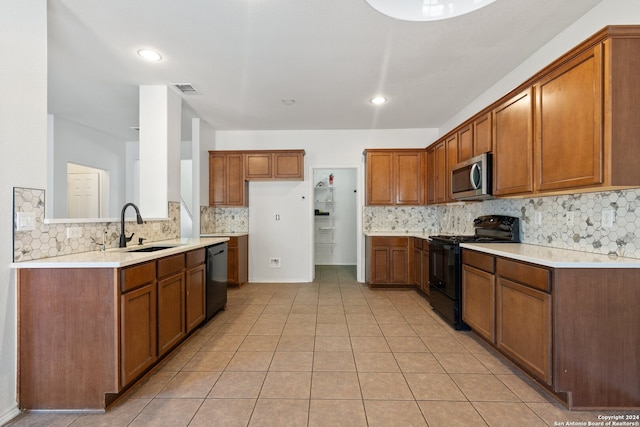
(329, 353)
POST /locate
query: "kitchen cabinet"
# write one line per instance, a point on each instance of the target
(425, 268)
(569, 111)
(227, 184)
(437, 171)
(417, 262)
(195, 288)
(523, 317)
(395, 176)
(465, 143)
(274, 165)
(171, 293)
(513, 145)
(479, 293)
(138, 320)
(388, 261)
(102, 328)
(451, 159)
(238, 260)
(482, 134)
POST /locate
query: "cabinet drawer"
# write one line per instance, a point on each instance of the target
(170, 265)
(479, 260)
(536, 277)
(137, 275)
(195, 258)
(389, 241)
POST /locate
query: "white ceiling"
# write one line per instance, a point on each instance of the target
(245, 56)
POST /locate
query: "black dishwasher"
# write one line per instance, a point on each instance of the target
(216, 278)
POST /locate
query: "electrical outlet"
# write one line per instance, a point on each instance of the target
(570, 217)
(74, 232)
(537, 218)
(608, 218)
(274, 262)
(25, 221)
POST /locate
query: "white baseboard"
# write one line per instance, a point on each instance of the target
(9, 415)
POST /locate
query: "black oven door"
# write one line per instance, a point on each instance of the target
(442, 268)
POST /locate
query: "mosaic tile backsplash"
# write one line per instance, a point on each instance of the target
(49, 240)
(544, 220)
(224, 220)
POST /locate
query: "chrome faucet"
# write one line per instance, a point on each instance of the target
(123, 237)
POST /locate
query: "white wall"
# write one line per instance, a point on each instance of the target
(73, 142)
(607, 12)
(23, 140)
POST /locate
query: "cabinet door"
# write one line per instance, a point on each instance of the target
(217, 179)
(258, 166)
(431, 176)
(288, 165)
(451, 159)
(482, 135)
(441, 173)
(409, 178)
(569, 131)
(380, 265)
(478, 301)
(235, 185)
(195, 284)
(425, 268)
(513, 146)
(137, 332)
(417, 267)
(465, 143)
(171, 318)
(379, 177)
(524, 327)
(399, 265)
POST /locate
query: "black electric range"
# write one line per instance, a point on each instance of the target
(445, 263)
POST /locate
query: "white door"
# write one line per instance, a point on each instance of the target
(279, 237)
(83, 195)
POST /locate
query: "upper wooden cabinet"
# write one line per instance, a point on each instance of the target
(513, 145)
(274, 165)
(229, 172)
(569, 133)
(437, 173)
(395, 176)
(482, 136)
(465, 142)
(227, 186)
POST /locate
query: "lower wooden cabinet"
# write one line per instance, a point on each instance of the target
(171, 317)
(524, 327)
(479, 301)
(388, 261)
(238, 260)
(195, 298)
(138, 322)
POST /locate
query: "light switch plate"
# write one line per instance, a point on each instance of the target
(25, 221)
(608, 218)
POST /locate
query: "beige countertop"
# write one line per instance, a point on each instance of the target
(542, 255)
(553, 257)
(229, 234)
(119, 257)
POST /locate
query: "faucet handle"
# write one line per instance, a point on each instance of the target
(140, 240)
(128, 239)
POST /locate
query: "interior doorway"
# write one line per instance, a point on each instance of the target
(87, 192)
(335, 224)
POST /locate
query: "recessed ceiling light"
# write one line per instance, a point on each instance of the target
(426, 10)
(378, 100)
(149, 55)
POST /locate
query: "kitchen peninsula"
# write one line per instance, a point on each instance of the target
(91, 324)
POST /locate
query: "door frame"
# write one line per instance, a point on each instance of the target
(359, 170)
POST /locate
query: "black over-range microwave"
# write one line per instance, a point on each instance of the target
(471, 179)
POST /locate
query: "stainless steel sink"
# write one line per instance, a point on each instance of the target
(152, 248)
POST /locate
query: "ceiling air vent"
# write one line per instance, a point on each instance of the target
(186, 88)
